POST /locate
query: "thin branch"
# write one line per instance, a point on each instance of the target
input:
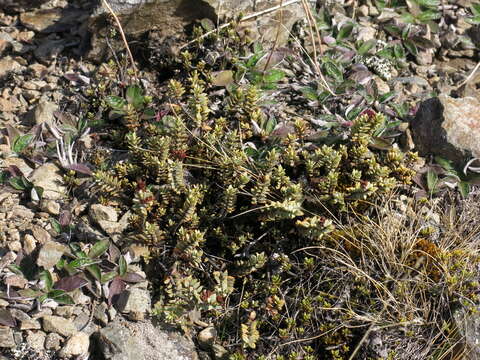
(119, 25)
(469, 77)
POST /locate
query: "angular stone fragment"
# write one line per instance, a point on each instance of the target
(134, 300)
(6, 338)
(59, 325)
(143, 340)
(50, 178)
(169, 18)
(76, 345)
(448, 127)
(50, 253)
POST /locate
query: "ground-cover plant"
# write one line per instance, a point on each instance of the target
(252, 211)
(223, 194)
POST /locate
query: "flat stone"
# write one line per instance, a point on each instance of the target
(468, 325)
(40, 234)
(21, 212)
(59, 325)
(29, 244)
(7, 65)
(18, 162)
(30, 325)
(44, 112)
(170, 18)
(100, 212)
(6, 338)
(50, 206)
(49, 50)
(49, 20)
(76, 345)
(448, 127)
(143, 340)
(50, 178)
(36, 340)
(206, 337)
(50, 253)
(134, 300)
(53, 341)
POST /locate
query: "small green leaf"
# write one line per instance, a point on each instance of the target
(333, 71)
(99, 249)
(446, 164)
(116, 102)
(61, 264)
(393, 30)
(411, 47)
(464, 188)
(399, 51)
(19, 183)
(81, 262)
(122, 266)
(60, 297)
(135, 96)
(274, 76)
(345, 31)
(46, 277)
(428, 15)
(21, 142)
(406, 31)
(95, 271)
(475, 9)
(56, 226)
(386, 97)
(366, 46)
(108, 276)
(16, 269)
(310, 93)
(432, 181)
(270, 125)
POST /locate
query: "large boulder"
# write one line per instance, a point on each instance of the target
(170, 18)
(448, 127)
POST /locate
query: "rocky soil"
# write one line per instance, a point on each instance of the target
(42, 78)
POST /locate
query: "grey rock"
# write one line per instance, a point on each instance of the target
(48, 50)
(78, 344)
(448, 127)
(50, 253)
(53, 341)
(43, 112)
(143, 340)
(40, 234)
(101, 313)
(51, 20)
(9, 64)
(36, 340)
(50, 206)
(100, 212)
(134, 301)
(170, 17)
(468, 325)
(59, 325)
(6, 338)
(219, 352)
(83, 322)
(206, 337)
(21, 212)
(18, 162)
(49, 177)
